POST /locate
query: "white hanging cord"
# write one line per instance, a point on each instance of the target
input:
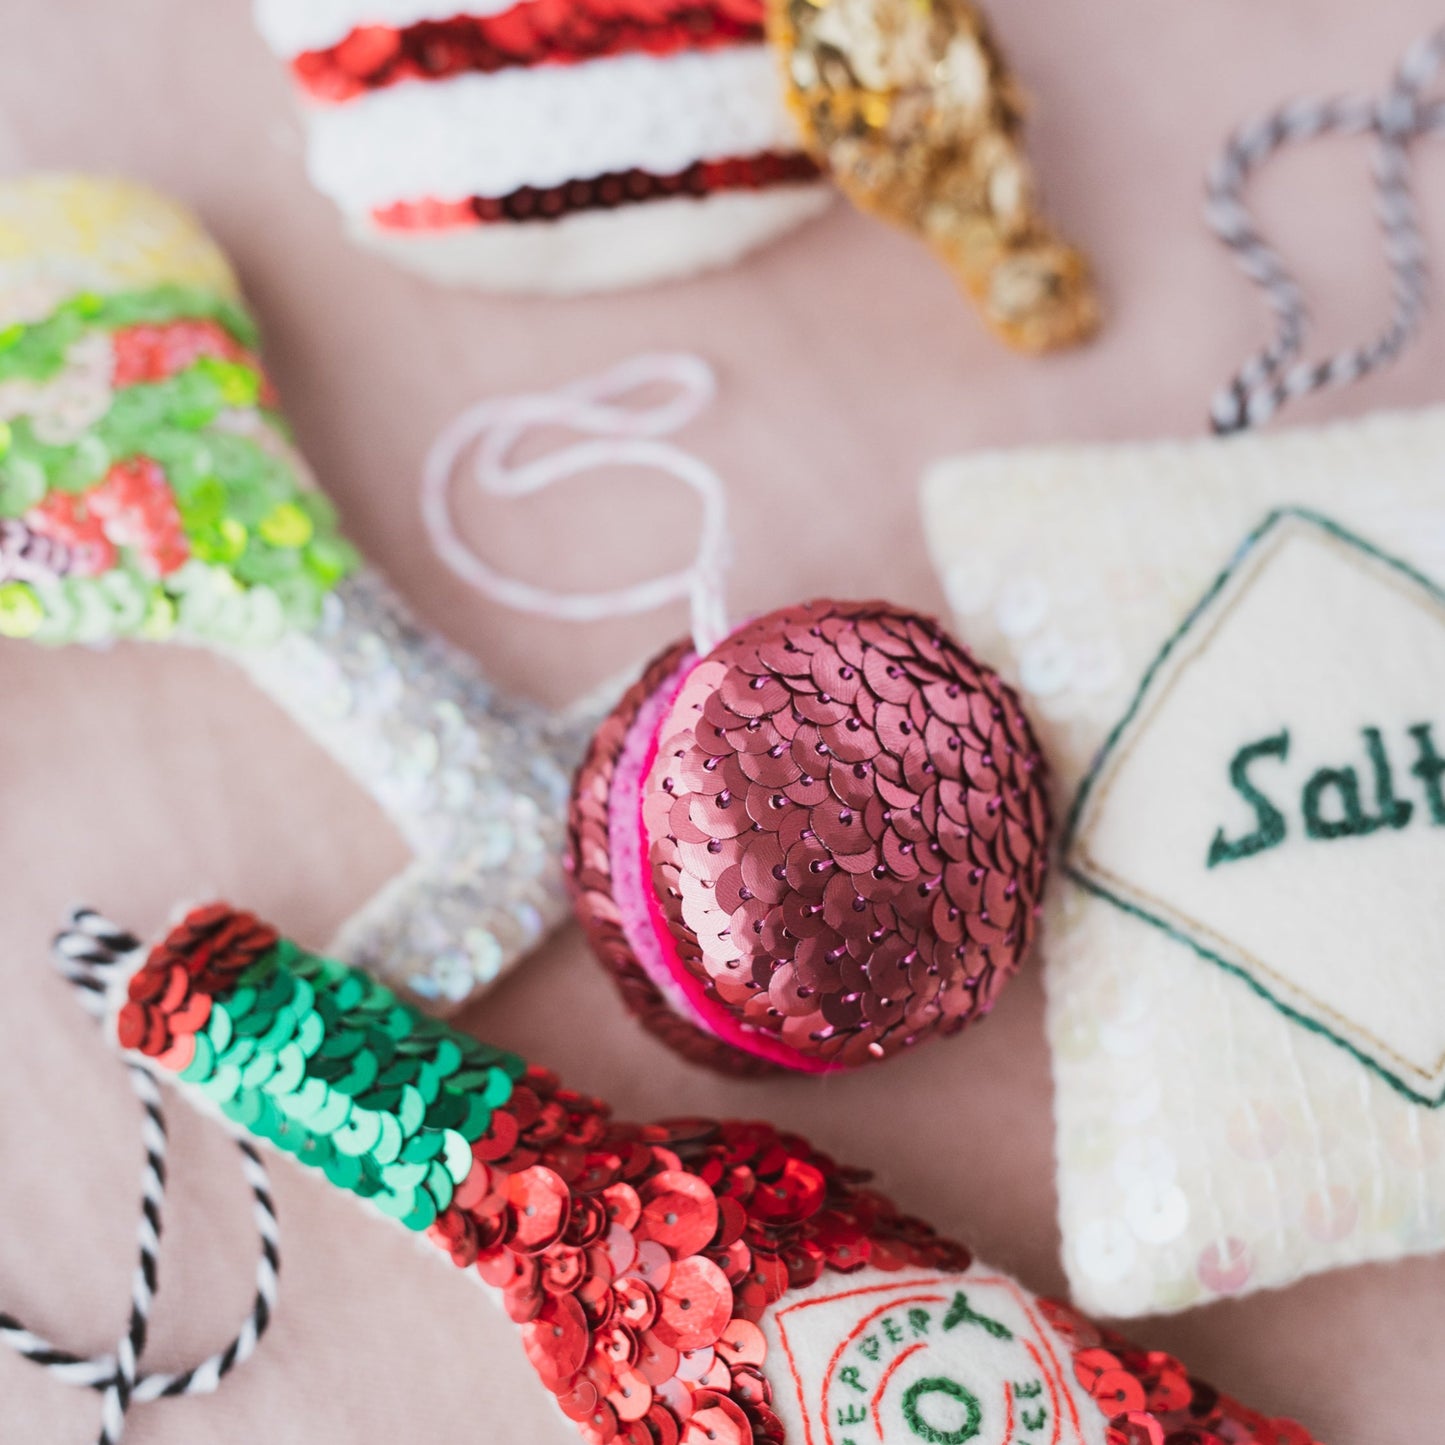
(1275, 375)
(619, 435)
(91, 954)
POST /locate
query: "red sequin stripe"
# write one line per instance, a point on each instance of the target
(169, 996)
(535, 32)
(1149, 1398)
(601, 193)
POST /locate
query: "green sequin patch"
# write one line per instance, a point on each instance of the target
(261, 547)
(36, 351)
(332, 1067)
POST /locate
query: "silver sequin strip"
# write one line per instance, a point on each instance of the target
(476, 783)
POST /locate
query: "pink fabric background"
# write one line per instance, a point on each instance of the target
(144, 776)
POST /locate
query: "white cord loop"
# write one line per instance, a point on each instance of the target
(619, 435)
(1275, 375)
(92, 953)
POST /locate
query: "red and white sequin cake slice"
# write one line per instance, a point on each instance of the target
(548, 145)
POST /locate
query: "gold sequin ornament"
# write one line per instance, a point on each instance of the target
(910, 104)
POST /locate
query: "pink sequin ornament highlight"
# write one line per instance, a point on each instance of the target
(817, 846)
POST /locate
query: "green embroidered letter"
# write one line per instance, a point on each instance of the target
(1394, 812)
(960, 1312)
(1430, 768)
(1351, 822)
(1269, 821)
(849, 1376)
(933, 1434)
(920, 1320)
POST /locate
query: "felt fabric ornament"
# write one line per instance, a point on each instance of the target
(569, 145)
(1235, 652)
(149, 488)
(541, 146)
(690, 1281)
(1240, 693)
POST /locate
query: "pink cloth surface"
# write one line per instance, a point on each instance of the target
(140, 777)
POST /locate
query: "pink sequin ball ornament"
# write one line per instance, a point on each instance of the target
(818, 845)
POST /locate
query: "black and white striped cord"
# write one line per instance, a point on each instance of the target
(91, 954)
(1276, 375)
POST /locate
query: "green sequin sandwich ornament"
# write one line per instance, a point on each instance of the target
(689, 1282)
(149, 489)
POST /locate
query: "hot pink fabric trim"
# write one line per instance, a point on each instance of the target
(643, 923)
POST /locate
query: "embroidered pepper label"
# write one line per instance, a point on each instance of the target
(1274, 797)
(946, 1360)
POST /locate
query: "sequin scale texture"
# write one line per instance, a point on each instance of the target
(638, 1261)
(475, 781)
(371, 57)
(606, 192)
(560, 146)
(149, 489)
(846, 830)
(919, 121)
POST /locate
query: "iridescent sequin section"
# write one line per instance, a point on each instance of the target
(847, 833)
(637, 1260)
(919, 121)
(476, 782)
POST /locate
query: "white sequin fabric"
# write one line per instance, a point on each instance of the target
(1229, 1118)
(476, 783)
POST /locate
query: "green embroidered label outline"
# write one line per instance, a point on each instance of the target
(1241, 555)
(1270, 827)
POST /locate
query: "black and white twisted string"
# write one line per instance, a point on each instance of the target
(92, 953)
(1275, 375)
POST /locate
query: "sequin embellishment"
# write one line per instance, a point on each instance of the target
(845, 833)
(637, 1260)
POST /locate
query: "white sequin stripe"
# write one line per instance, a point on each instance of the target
(291, 27)
(489, 135)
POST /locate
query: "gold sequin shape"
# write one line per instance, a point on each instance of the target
(64, 234)
(910, 105)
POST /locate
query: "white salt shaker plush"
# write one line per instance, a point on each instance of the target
(1234, 653)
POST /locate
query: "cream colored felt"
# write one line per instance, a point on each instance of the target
(883, 1358)
(1235, 654)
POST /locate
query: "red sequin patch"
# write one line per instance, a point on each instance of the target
(532, 33)
(600, 193)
